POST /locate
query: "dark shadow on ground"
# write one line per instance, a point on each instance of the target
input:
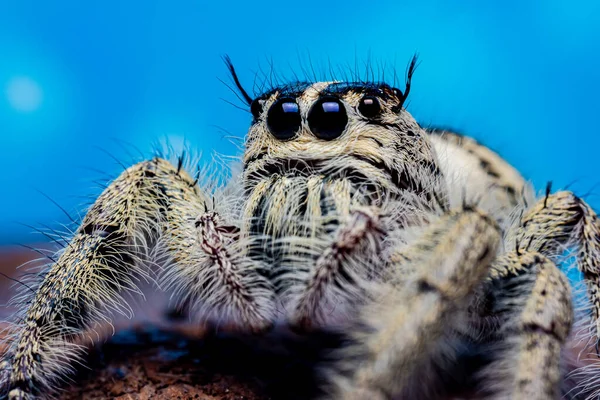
(148, 362)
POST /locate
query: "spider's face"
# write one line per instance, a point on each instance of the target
(337, 130)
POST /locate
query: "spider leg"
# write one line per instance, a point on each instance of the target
(341, 272)
(532, 297)
(559, 221)
(152, 211)
(407, 328)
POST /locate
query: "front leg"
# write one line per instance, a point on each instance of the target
(340, 274)
(532, 298)
(148, 213)
(560, 221)
(409, 323)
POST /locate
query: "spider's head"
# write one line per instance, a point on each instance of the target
(356, 133)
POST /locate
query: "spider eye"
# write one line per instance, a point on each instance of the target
(256, 108)
(369, 107)
(283, 119)
(327, 118)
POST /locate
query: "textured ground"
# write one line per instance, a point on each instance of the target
(146, 362)
(143, 360)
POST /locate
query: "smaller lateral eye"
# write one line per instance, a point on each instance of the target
(369, 107)
(256, 108)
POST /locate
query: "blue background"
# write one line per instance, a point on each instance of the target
(79, 78)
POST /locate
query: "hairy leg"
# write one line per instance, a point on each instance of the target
(407, 327)
(557, 222)
(152, 212)
(342, 272)
(532, 299)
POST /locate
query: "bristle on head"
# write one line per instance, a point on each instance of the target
(231, 68)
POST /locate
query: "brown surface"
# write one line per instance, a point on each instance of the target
(150, 364)
(147, 362)
(177, 361)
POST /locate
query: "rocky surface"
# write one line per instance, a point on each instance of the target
(146, 362)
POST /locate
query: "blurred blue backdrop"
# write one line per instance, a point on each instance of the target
(77, 77)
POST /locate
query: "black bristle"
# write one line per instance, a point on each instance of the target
(231, 68)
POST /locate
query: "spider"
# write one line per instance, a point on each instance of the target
(424, 246)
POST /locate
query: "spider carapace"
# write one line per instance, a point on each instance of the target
(346, 215)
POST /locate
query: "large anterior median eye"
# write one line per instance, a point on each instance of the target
(327, 118)
(369, 107)
(283, 119)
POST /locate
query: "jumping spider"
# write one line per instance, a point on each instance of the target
(347, 215)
